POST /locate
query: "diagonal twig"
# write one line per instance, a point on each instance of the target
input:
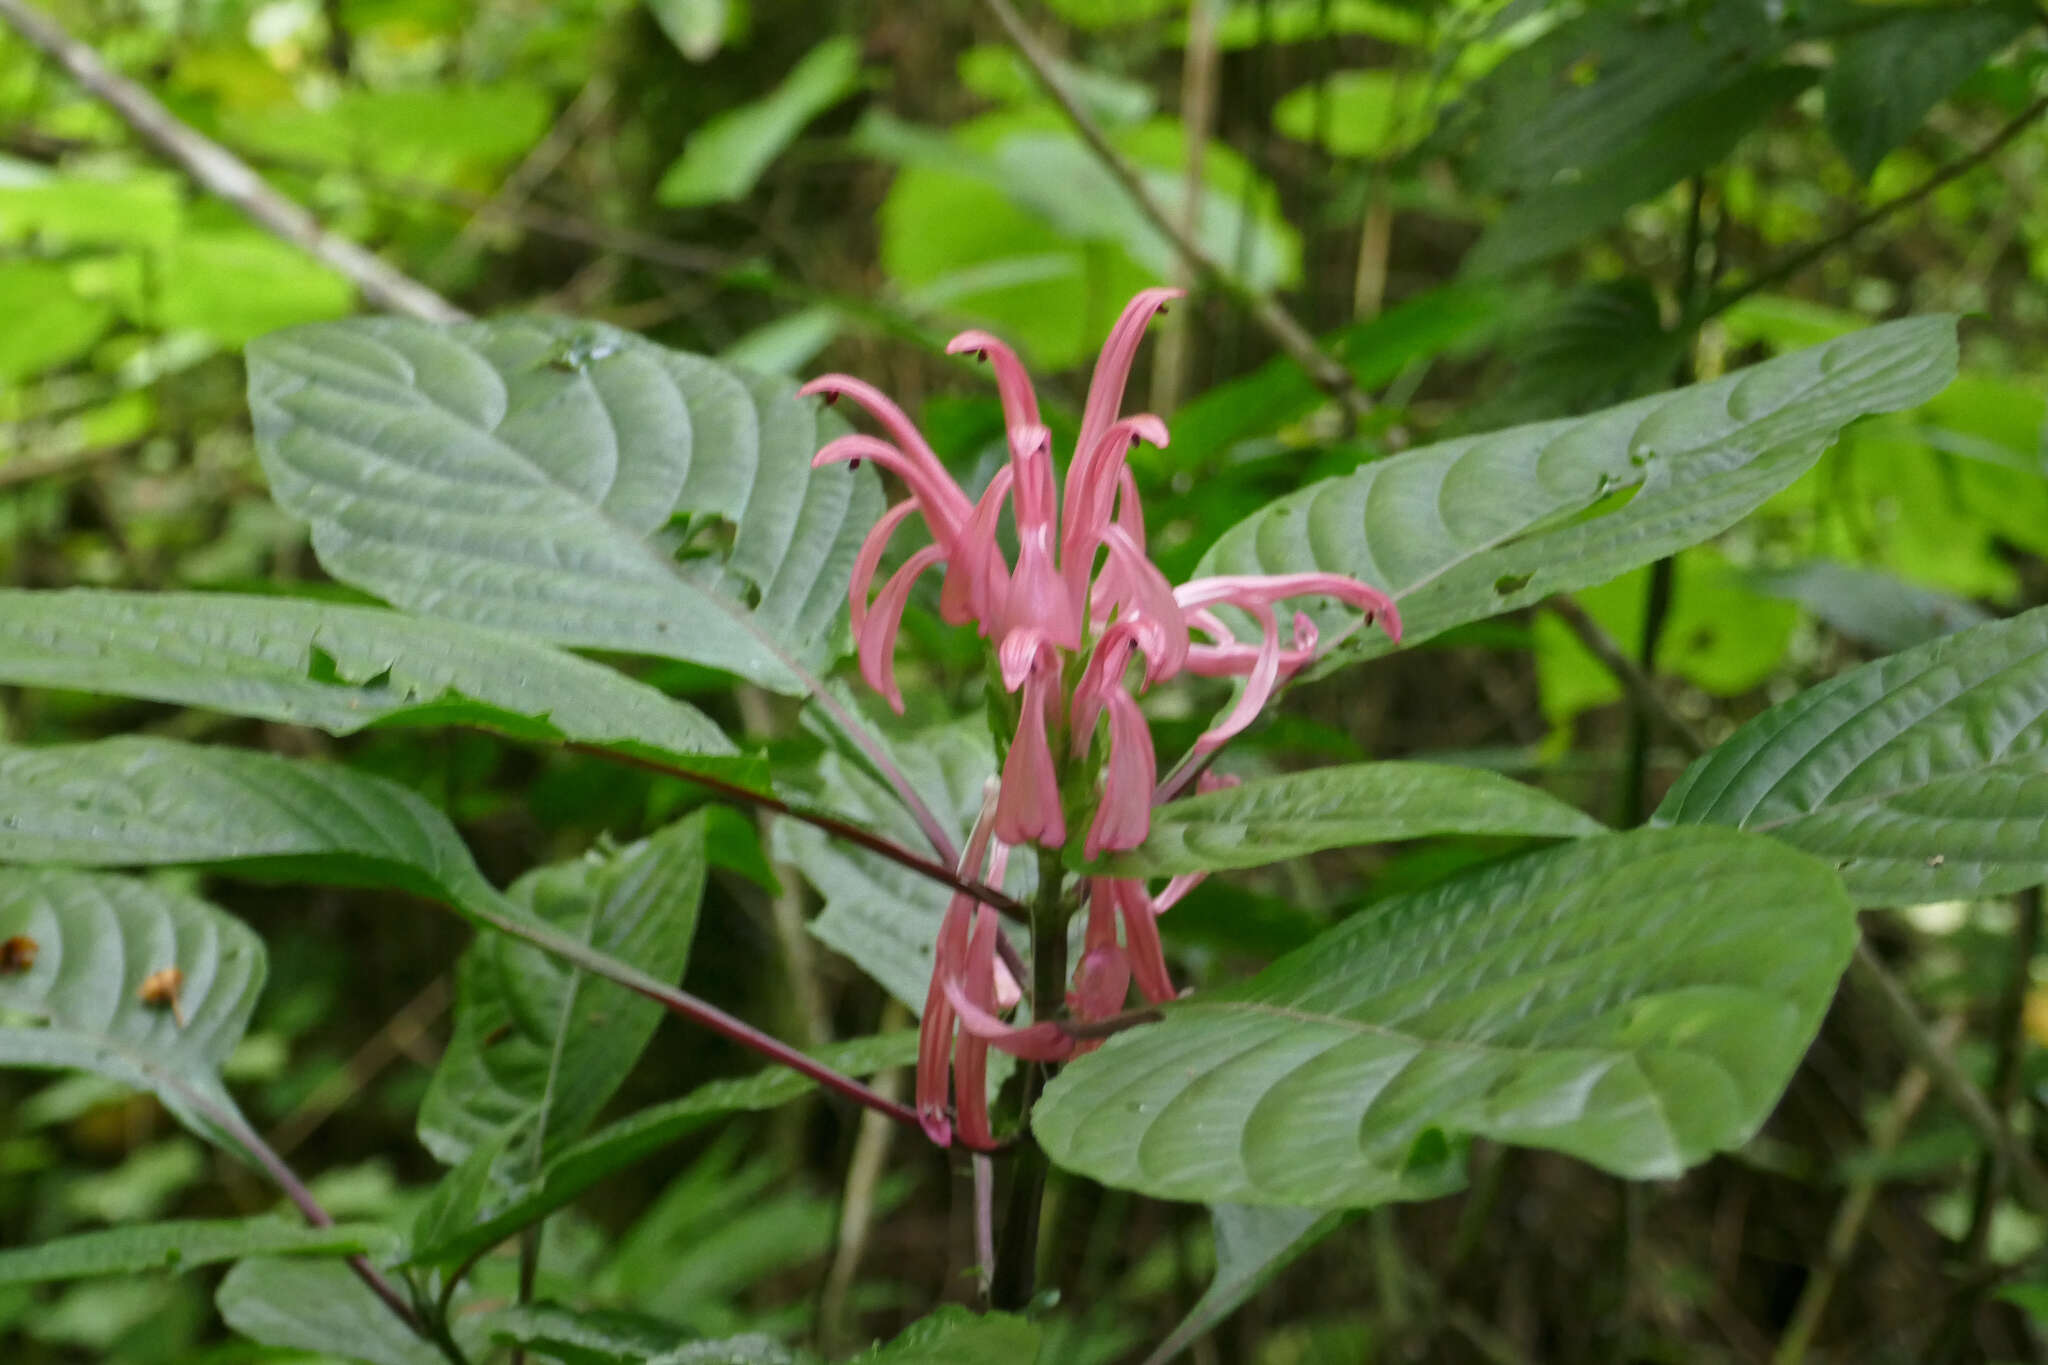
(1263, 308)
(1640, 687)
(225, 174)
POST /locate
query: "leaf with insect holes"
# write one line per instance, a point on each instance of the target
(340, 668)
(566, 481)
(1482, 525)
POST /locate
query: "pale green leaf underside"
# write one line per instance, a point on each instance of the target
(1637, 1001)
(97, 938)
(317, 1306)
(540, 1045)
(1252, 1246)
(183, 1245)
(334, 667)
(590, 1339)
(1482, 525)
(1921, 776)
(567, 481)
(1273, 818)
(620, 1144)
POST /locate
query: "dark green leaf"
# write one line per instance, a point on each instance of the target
(567, 481)
(1922, 776)
(1637, 1001)
(724, 158)
(1444, 528)
(601, 1338)
(629, 1140)
(94, 941)
(1272, 818)
(1887, 77)
(539, 1044)
(182, 1245)
(337, 668)
(1252, 1246)
(1870, 605)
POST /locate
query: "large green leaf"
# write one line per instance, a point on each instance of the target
(96, 939)
(1922, 776)
(317, 1306)
(631, 1139)
(182, 1245)
(724, 158)
(337, 668)
(539, 1044)
(1886, 78)
(567, 481)
(603, 1339)
(1273, 818)
(1637, 1001)
(1482, 525)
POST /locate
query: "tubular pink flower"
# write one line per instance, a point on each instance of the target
(1042, 1041)
(1113, 365)
(1103, 674)
(1028, 810)
(970, 1052)
(1093, 480)
(1140, 592)
(1124, 817)
(977, 579)
(935, 1027)
(878, 637)
(945, 507)
(1037, 597)
(870, 558)
(1020, 400)
(1141, 940)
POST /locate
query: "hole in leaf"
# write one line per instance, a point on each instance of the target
(1511, 583)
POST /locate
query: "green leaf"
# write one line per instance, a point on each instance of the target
(1683, 139)
(1637, 1001)
(334, 667)
(1482, 525)
(1252, 1246)
(317, 1306)
(631, 1139)
(183, 1245)
(1372, 114)
(1266, 820)
(724, 158)
(1921, 777)
(1886, 78)
(959, 1336)
(66, 324)
(696, 27)
(539, 1045)
(567, 481)
(599, 1338)
(97, 939)
(239, 283)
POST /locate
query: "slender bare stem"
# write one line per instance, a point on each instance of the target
(1640, 687)
(223, 173)
(831, 824)
(1262, 307)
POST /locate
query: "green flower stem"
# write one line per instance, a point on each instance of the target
(1017, 1257)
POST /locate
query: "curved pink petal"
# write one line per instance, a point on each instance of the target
(1124, 817)
(970, 1053)
(945, 507)
(1113, 365)
(1141, 942)
(1092, 482)
(878, 637)
(977, 579)
(1144, 595)
(1013, 381)
(1041, 1042)
(1246, 590)
(870, 558)
(935, 1028)
(1103, 674)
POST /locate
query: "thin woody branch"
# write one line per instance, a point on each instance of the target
(223, 173)
(1263, 309)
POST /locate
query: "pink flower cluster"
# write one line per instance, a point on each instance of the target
(1080, 591)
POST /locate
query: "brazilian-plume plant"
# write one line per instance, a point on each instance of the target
(1002, 859)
